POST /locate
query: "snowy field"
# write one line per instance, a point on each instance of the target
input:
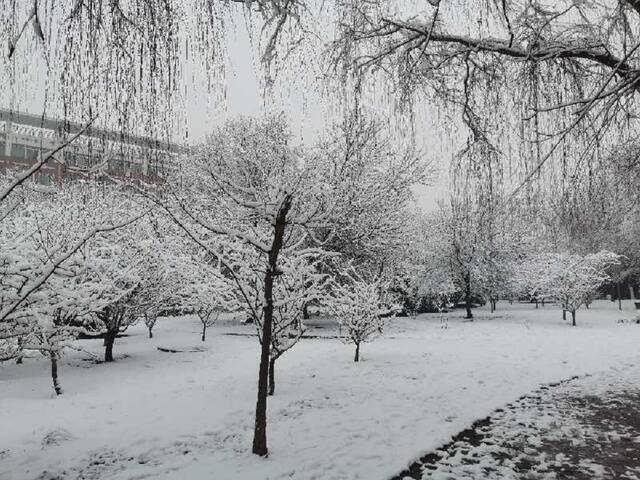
(190, 415)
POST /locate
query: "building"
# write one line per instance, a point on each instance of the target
(24, 137)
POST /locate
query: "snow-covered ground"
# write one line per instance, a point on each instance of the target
(189, 415)
(583, 429)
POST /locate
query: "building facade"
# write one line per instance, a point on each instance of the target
(24, 138)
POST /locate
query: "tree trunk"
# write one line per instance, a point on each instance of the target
(305, 312)
(619, 295)
(150, 331)
(573, 318)
(20, 350)
(564, 314)
(54, 373)
(536, 300)
(357, 357)
(260, 430)
(109, 339)
(272, 376)
(467, 295)
(204, 331)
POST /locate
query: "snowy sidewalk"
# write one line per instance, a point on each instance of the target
(583, 429)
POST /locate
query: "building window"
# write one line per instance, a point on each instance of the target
(70, 159)
(31, 153)
(17, 150)
(44, 179)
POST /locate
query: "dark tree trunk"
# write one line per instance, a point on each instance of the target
(204, 331)
(467, 295)
(536, 300)
(573, 318)
(260, 431)
(150, 331)
(109, 339)
(20, 350)
(54, 373)
(564, 314)
(272, 376)
(357, 356)
(305, 312)
(619, 295)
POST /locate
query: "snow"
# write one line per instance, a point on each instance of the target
(583, 428)
(154, 414)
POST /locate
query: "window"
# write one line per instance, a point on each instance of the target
(44, 179)
(31, 152)
(70, 159)
(17, 150)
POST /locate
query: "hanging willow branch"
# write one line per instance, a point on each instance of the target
(477, 58)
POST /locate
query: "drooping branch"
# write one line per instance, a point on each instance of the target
(538, 52)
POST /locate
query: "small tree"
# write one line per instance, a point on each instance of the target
(117, 264)
(52, 335)
(572, 278)
(359, 306)
(150, 319)
(159, 289)
(201, 286)
(208, 314)
(210, 295)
